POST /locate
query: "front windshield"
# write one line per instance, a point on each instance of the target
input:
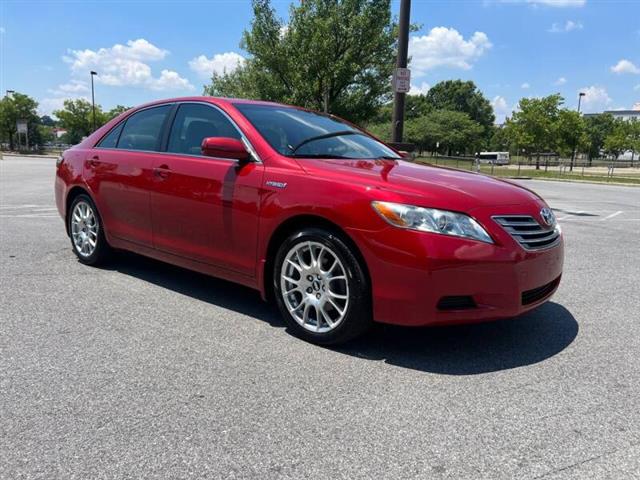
(300, 133)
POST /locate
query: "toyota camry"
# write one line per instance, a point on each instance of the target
(318, 215)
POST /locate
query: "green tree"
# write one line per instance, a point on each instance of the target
(114, 112)
(446, 131)
(500, 140)
(571, 134)
(334, 55)
(19, 107)
(47, 121)
(598, 128)
(634, 138)
(534, 125)
(46, 133)
(620, 139)
(461, 96)
(77, 119)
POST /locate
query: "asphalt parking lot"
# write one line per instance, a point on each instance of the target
(143, 370)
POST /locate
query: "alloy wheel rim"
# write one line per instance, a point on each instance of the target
(84, 229)
(314, 287)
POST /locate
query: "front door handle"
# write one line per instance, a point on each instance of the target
(162, 172)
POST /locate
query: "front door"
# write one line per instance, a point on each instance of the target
(204, 208)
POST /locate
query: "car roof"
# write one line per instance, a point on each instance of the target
(215, 100)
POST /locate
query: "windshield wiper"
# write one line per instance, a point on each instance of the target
(321, 137)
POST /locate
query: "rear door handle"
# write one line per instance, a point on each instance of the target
(94, 161)
(162, 172)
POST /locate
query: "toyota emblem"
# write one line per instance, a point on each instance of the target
(548, 217)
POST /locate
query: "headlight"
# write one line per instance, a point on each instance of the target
(431, 220)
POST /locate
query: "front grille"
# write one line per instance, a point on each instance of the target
(528, 232)
(536, 294)
(457, 302)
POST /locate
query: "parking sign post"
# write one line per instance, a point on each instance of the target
(401, 77)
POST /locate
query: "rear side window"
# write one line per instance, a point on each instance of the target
(111, 139)
(142, 130)
(193, 123)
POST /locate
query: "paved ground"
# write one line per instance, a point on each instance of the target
(143, 370)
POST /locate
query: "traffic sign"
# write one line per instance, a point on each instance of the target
(401, 80)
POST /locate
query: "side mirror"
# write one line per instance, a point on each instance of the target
(224, 147)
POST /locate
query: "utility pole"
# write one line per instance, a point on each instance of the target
(93, 100)
(573, 154)
(401, 63)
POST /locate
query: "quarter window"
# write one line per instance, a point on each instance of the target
(193, 123)
(142, 130)
(111, 139)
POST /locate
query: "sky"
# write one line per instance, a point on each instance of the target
(145, 50)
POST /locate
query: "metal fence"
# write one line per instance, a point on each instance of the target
(601, 170)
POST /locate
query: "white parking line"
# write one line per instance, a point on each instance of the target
(614, 214)
(10, 207)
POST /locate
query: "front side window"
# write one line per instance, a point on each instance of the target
(143, 130)
(195, 122)
(300, 133)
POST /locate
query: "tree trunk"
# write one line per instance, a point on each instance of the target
(538, 160)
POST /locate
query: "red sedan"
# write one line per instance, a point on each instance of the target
(312, 211)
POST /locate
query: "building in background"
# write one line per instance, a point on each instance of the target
(626, 115)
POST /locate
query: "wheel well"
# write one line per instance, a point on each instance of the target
(73, 193)
(294, 224)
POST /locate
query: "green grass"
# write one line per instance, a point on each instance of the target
(553, 173)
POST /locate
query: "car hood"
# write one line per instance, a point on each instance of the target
(425, 185)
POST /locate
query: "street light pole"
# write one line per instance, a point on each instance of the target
(403, 48)
(93, 100)
(573, 154)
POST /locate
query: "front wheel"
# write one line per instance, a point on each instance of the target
(86, 231)
(321, 288)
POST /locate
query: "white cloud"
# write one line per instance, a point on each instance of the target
(568, 26)
(500, 108)
(73, 87)
(126, 65)
(170, 80)
(525, 86)
(66, 91)
(422, 89)
(637, 87)
(3, 30)
(219, 63)
(625, 66)
(596, 99)
(561, 81)
(446, 47)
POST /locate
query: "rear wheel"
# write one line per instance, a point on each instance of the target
(86, 231)
(321, 288)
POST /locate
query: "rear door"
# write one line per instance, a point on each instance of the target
(205, 208)
(119, 172)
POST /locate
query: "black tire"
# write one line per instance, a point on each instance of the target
(357, 317)
(102, 250)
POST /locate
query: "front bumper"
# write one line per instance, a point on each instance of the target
(414, 275)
